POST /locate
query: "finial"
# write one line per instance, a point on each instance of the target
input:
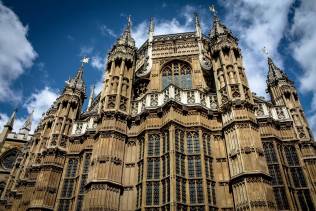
(197, 19)
(198, 25)
(129, 22)
(11, 120)
(151, 24)
(213, 10)
(151, 30)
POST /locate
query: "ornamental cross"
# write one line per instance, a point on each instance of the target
(85, 60)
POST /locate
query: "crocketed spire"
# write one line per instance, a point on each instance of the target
(275, 73)
(11, 120)
(126, 38)
(198, 29)
(218, 27)
(77, 82)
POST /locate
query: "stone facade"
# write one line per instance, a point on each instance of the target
(175, 127)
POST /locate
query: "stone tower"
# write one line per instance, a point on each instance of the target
(300, 153)
(104, 185)
(175, 127)
(249, 176)
(53, 135)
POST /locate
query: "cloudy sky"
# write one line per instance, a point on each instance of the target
(42, 42)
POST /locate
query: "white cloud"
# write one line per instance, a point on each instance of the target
(18, 123)
(40, 101)
(86, 50)
(304, 48)
(303, 32)
(13, 60)
(258, 24)
(106, 31)
(183, 23)
(98, 62)
(98, 87)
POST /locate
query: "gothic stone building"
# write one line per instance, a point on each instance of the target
(175, 127)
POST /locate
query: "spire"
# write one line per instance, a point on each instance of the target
(126, 38)
(91, 97)
(151, 30)
(218, 27)
(77, 81)
(11, 120)
(197, 26)
(27, 124)
(275, 73)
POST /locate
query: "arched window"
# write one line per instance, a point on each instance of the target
(177, 73)
(2, 186)
(8, 159)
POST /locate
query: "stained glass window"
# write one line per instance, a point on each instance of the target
(291, 155)
(275, 174)
(298, 177)
(280, 198)
(153, 145)
(305, 200)
(153, 168)
(69, 184)
(179, 140)
(269, 153)
(194, 166)
(139, 196)
(152, 193)
(211, 192)
(165, 142)
(193, 143)
(178, 73)
(84, 176)
(196, 191)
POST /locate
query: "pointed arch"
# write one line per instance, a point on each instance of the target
(177, 72)
(8, 158)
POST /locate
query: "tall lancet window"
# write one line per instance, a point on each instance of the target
(177, 73)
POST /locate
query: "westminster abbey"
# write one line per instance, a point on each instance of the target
(175, 127)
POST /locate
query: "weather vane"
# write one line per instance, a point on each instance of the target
(265, 51)
(212, 9)
(84, 60)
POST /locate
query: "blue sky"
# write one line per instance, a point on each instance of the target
(42, 42)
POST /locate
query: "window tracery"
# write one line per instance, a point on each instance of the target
(9, 158)
(177, 73)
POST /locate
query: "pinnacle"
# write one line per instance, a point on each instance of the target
(275, 73)
(126, 38)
